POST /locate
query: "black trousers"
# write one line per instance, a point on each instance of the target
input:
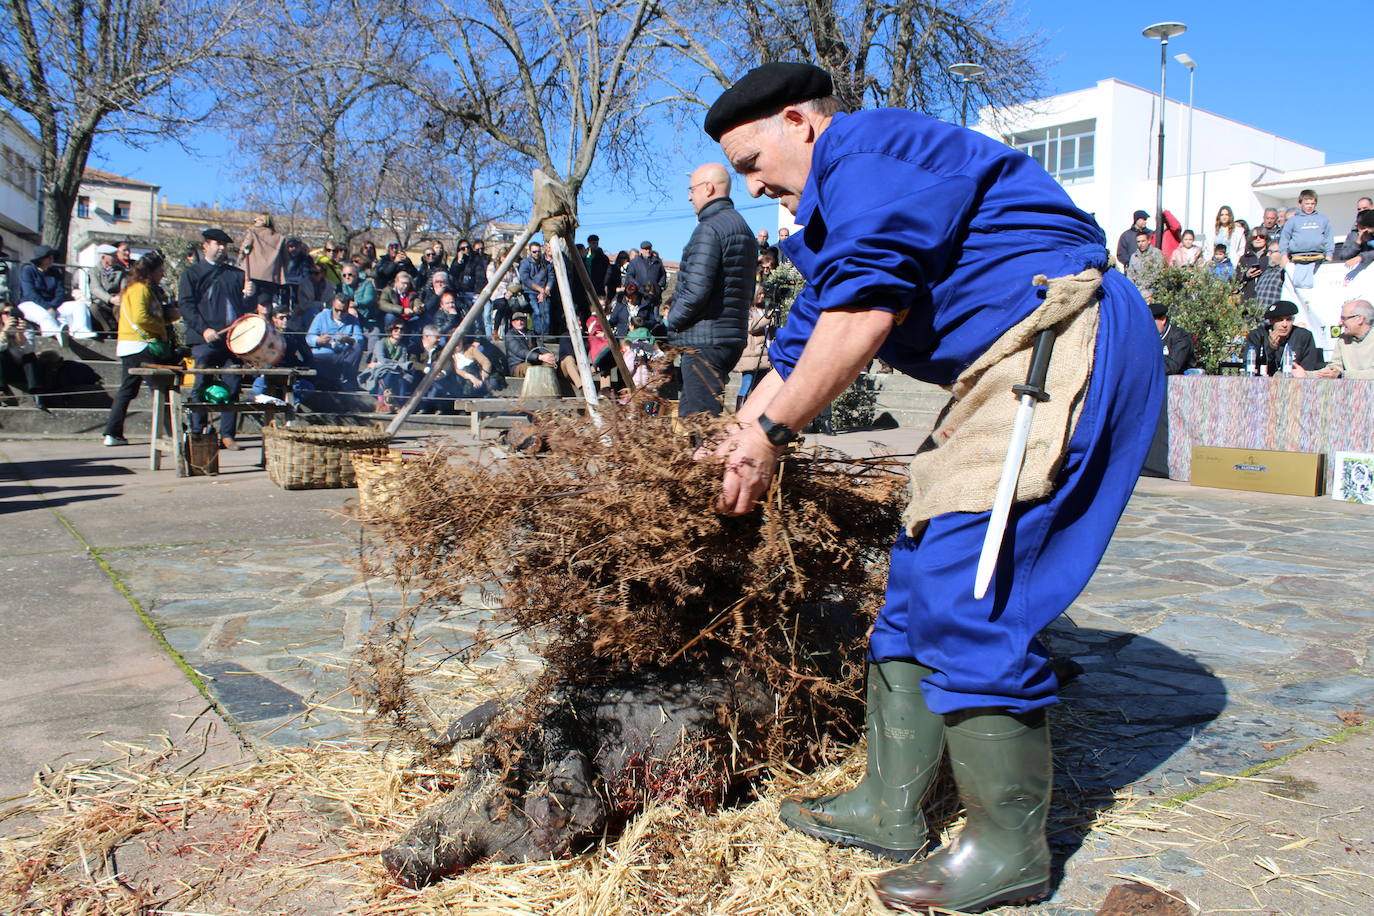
(21, 371)
(214, 356)
(704, 370)
(129, 387)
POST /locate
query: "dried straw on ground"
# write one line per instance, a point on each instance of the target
(605, 549)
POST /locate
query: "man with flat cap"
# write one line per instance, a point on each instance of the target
(1277, 331)
(210, 296)
(648, 272)
(947, 254)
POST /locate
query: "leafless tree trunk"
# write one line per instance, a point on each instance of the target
(88, 68)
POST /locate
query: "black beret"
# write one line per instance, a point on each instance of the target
(1159, 308)
(1281, 309)
(216, 235)
(763, 91)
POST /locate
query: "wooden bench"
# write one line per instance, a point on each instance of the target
(496, 407)
(165, 382)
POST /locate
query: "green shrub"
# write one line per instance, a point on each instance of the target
(1209, 308)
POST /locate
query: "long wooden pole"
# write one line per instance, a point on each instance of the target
(473, 313)
(584, 366)
(598, 310)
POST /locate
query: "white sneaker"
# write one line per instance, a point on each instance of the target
(112, 441)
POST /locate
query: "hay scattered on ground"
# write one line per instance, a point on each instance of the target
(298, 832)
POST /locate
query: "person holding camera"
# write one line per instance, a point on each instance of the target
(18, 361)
(143, 337)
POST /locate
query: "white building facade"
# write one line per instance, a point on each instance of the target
(19, 188)
(1102, 142)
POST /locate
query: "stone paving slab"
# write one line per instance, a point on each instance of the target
(1222, 629)
(1197, 653)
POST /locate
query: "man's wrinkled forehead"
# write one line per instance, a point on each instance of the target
(741, 145)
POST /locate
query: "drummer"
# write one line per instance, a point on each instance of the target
(210, 296)
(297, 356)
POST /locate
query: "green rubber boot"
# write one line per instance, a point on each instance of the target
(883, 813)
(1002, 766)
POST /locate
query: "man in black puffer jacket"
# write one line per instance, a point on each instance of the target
(709, 317)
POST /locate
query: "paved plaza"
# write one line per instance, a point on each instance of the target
(1223, 631)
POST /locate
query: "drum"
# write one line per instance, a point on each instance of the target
(253, 340)
(540, 382)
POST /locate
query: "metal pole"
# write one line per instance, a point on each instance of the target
(447, 353)
(1187, 61)
(1159, 172)
(1162, 31)
(1188, 192)
(965, 72)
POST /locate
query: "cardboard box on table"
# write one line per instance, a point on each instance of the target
(1258, 470)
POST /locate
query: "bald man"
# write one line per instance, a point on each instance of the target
(715, 286)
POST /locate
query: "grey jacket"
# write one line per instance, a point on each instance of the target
(715, 283)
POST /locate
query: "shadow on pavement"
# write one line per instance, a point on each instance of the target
(12, 506)
(56, 468)
(1137, 704)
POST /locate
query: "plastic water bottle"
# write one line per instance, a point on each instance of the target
(1251, 360)
(1287, 360)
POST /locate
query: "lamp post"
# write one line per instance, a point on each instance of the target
(965, 72)
(1162, 31)
(1187, 61)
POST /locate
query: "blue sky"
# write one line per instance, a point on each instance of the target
(1257, 62)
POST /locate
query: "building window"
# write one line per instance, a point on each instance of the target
(83, 207)
(122, 211)
(19, 172)
(1065, 151)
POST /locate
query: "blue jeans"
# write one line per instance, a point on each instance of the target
(541, 315)
(214, 356)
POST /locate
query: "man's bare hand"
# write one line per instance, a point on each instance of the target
(750, 462)
(210, 335)
(1328, 372)
(1353, 262)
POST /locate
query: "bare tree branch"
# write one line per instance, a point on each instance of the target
(88, 68)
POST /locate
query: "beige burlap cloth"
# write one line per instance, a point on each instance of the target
(957, 468)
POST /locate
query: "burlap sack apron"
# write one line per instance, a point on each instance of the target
(958, 466)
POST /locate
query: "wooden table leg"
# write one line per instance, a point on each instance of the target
(154, 452)
(178, 439)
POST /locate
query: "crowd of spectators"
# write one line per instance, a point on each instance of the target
(1285, 246)
(364, 320)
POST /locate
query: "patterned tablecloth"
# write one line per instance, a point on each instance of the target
(1282, 414)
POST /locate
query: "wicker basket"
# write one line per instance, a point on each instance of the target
(380, 476)
(317, 457)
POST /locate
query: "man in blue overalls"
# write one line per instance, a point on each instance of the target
(919, 246)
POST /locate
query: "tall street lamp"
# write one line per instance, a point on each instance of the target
(1162, 31)
(1187, 61)
(965, 72)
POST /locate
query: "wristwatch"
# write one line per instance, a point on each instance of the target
(776, 433)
